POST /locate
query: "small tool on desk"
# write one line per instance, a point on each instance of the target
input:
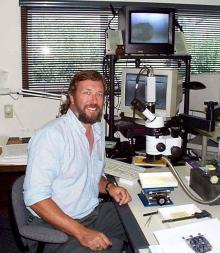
(150, 213)
(197, 215)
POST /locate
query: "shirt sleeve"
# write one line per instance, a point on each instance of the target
(44, 161)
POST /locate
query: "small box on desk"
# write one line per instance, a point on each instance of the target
(156, 196)
(156, 187)
(200, 183)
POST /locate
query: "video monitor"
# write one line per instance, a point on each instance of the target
(168, 91)
(147, 30)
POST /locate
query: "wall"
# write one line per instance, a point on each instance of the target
(29, 113)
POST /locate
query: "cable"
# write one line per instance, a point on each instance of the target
(178, 25)
(113, 16)
(109, 25)
(186, 190)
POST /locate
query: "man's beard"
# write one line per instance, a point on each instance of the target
(83, 117)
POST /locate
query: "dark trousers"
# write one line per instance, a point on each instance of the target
(104, 219)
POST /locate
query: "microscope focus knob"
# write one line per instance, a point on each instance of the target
(160, 147)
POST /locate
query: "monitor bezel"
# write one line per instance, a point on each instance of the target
(146, 48)
(173, 94)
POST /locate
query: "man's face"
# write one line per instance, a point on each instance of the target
(87, 103)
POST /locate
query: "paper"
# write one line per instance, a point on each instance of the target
(175, 212)
(151, 249)
(209, 228)
(14, 154)
(155, 249)
(157, 180)
(13, 161)
(15, 150)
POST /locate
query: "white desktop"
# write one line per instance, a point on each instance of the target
(152, 225)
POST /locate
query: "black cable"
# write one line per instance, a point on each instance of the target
(178, 25)
(113, 16)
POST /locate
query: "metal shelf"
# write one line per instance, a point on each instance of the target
(113, 59)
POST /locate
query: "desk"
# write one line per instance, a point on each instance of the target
(8, 174)
(136, 209)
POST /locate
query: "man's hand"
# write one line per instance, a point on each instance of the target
(94, 240)
(119, 194)
(48, 210)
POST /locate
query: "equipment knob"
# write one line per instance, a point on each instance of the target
(176, 152)
(161, 200)
(160, 147)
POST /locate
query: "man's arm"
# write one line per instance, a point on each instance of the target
(119, 194)
(49, 211)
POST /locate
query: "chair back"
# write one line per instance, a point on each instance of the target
(20, 211)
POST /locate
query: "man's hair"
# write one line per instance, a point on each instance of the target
(79, 77)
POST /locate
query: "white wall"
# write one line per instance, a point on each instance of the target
(211, 93)
(30, 113)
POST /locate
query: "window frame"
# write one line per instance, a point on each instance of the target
(73, 4)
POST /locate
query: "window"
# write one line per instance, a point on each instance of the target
(202, 33)
(59, 41)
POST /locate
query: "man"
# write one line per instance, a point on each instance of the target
(65, 173)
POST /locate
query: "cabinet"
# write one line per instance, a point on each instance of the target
(8, 174)
(113, 60)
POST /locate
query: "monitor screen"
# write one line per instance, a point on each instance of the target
(149, 27)
(168, 91)
(161, 89)
(147, 30)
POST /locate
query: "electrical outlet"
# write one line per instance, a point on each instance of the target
(8, 111)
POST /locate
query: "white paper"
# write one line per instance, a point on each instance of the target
(157, 180)
(171, 240)
(152, 249)
(155, 249)
(174, 212)
(14, 154)
(12, 151)
(13, 161)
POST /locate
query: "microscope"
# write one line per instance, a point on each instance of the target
(160, 140)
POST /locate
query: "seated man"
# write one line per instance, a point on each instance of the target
(64, 174)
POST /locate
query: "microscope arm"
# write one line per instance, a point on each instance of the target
(190, 122)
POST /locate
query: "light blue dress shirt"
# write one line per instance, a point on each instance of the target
(60, 166)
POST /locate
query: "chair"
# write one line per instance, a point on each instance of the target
(34, 232)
